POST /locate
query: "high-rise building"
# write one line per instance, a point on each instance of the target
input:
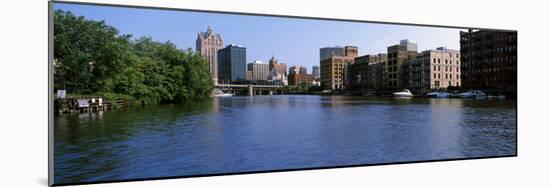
(394, 71)
(366, 72)
(327, 52)
(207, 45)
(303, 70)
(333, 68)
(410, 45)
(489, 61)
(434, 69)
(260, 70)
(232, 64)
(296, 69)
(316, 72)
(277, 68)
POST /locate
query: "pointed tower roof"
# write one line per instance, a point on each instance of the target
(209, 32)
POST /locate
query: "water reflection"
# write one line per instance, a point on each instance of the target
(238, 134)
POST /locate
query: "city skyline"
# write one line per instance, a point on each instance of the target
(262, 35)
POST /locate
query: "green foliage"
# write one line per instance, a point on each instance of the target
(92, 58)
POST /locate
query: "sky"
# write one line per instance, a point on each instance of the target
(292, 41)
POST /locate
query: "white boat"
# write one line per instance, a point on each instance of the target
(223, 95)
(220, 93)
(438, 94)
(478, 94)
(403, 93)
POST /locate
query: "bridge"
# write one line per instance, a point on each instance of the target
(253, 89)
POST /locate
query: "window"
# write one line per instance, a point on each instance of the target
(439, 61)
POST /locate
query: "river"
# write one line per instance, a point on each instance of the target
(238, 134)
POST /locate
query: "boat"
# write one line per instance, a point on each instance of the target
(499, 96)
(220, 93)
(438, 94)
(478, 94)
(223, 95)
(403, 93)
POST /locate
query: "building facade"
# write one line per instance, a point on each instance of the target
(296, 69)
(394, 70)
(232, 64)
(434, 69)
(278, 79)
(366, 72)
(260, 70)
(299, 78)
(207, 45)
(333, 68)
(277, 68)
(315, 71)
(489, 60)
(327, 52)
(303, 70)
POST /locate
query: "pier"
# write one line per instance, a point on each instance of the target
(75, 105)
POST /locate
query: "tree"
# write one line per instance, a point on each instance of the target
(92, 58)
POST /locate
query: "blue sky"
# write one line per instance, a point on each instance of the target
(292, 41)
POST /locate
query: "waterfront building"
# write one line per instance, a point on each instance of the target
(315, 71)
(366, 72)
(394, 71)
(207, 45)
(296, 69)
(296, 79)
(275, 66)
(232, 64)
(248, 75)
(278, 79)
(333, 68)
(260, 70)
(316, 82)
(327, 52)
(489, 60)
(434, 69)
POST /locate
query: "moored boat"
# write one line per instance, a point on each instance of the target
(220, 93)
(499, 96)
(478, 94)
(439, 94)
(403, 93)
(223, 95)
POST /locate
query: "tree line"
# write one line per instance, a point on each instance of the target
(92, 58)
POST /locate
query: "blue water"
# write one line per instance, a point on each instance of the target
(238, 134)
